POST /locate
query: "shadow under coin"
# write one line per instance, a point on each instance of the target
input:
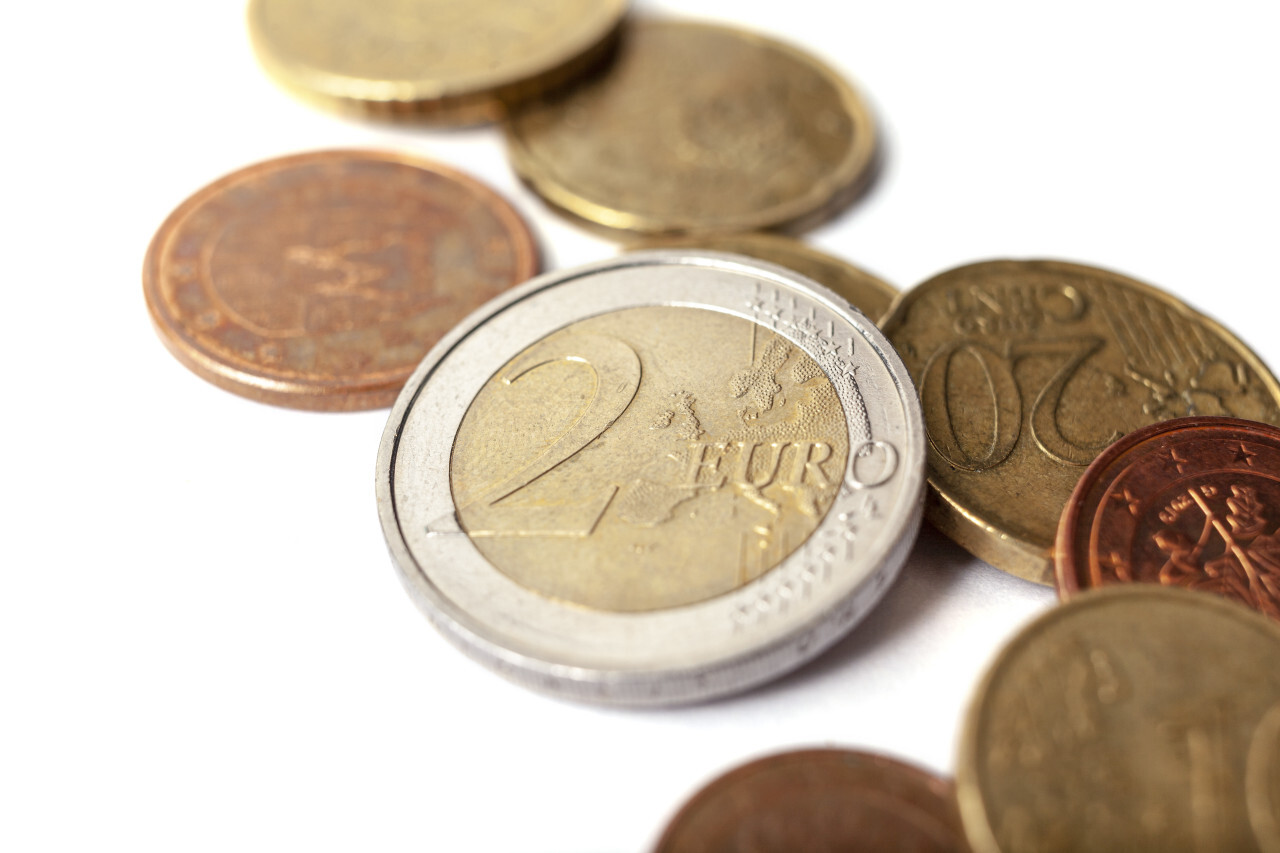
(932, 572)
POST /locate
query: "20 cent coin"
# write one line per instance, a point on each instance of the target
(1028, 369)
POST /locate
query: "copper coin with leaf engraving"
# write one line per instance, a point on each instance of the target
(1134, 717)
(1027, 370)
(319, 281)
(819, 801)
(1192, 502)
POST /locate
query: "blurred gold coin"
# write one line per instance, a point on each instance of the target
(697, 128)
(861, 289)
(1130, 718)
(451, 61)
(1027, 370)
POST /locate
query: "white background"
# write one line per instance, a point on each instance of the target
(203, 645)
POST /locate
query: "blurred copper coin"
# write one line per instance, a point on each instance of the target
(1027, 370)
(319, 281)
(1192, 502)
(1137, 717)
(864, 291)
(442, 60)
(819, 801)
(697, 128)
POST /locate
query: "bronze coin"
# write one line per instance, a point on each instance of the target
(819, 801)
(320, 280)
(1192, 502)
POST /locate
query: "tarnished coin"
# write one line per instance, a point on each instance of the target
(863, 291)
(819, 801)
(1192, 502)
(1028, 369)
(697, 128)
(319, 281)
(1130, 718)
(440, 59)
(656, 479)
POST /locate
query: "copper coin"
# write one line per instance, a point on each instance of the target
(1192, 502)
(819, 801)
(320, 280)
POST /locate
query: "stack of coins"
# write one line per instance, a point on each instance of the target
(676, 474)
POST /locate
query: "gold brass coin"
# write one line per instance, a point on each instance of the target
(868, 294)
(1028, 369)
(671, 534)
(447, 60)
(1136, 718)
(697, 128)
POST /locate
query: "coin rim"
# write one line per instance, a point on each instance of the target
(750, 663)
(476, 98)
(973, 813)
(1066, 568)
(825, 196)
(782, 246)
(341, 394)
(971, 527)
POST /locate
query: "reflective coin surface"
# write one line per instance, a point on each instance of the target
(1130, 718)
(319, 281)
(697, 128)
(656, 479)
(1192, 502)
(440, 59)
(1028, 369)
(819, 801)
(868, 294)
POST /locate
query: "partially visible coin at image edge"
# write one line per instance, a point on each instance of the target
(1191, 502)
(1133, 717)
(819, 801)
(447, 62)
(318, 281)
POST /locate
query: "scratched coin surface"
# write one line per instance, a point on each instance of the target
(319, 281)
(1136, 717)
(1028, 369)
(697, 128)
(1192, 502)
(655, 479)
(864, 291)
(448, 61)
(819, 801)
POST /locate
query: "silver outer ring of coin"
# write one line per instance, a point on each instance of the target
(693, 652)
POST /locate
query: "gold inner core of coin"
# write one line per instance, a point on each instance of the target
(649, 458)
